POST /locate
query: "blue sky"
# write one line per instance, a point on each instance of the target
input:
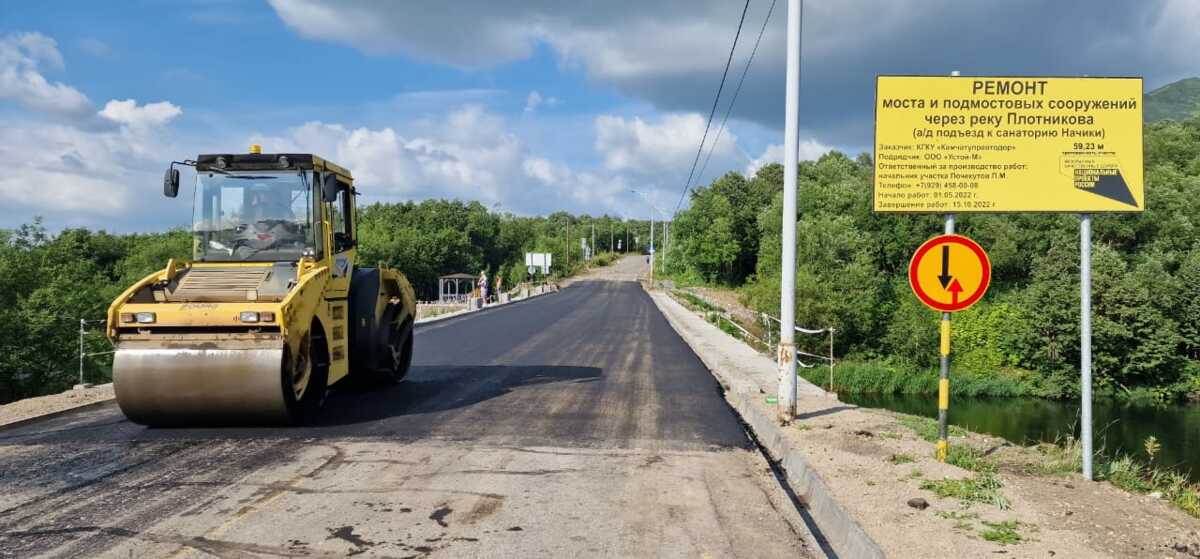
(537, 106)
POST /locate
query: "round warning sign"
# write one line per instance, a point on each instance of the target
(949, 273)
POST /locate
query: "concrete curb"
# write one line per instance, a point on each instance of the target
(843, 533)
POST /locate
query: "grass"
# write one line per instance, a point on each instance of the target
(1061, 458)
(1003, 533)
(969, 458)
(902, 458)
(1131, 475)
(602, 259)
(962, 521)
(927, 429)
(696, 302)
(983, 488)
(879, 377)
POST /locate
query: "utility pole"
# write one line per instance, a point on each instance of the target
(593, 247)
(611, 226)
(82, 331)
(568, 246)
(666, 244)
(651, 248)
(791, 142)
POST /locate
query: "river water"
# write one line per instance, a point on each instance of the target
(1119, 426)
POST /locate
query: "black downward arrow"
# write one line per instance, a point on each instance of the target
(945, 277)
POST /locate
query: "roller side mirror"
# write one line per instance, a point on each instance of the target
(171, 183)
(329, 188)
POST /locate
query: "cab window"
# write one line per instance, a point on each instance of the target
(342, 215)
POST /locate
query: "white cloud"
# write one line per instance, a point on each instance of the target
(808, 150)
(79, 176)
(468, 154)
(22, 58)
(66, 160)
(535, 100)
(150, 115)
(668, 145)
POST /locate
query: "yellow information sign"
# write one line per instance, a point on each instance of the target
(1008, 144)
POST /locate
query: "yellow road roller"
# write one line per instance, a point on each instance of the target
(273, 308)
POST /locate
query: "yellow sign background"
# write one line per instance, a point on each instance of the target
(947, 145)
(964, 267)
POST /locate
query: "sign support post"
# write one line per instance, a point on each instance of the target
(943, 444)
(1085, 340)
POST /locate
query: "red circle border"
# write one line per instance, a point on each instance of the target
(984, 282)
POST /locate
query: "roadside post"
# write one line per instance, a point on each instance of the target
(1007, 144)
(791, 143)
(943, 445)
(1085, 340)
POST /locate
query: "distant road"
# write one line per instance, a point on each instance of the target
(572, 425)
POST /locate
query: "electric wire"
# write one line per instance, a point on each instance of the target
(737, 90)
(713, 112)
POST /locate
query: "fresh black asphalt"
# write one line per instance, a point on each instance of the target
(577, 367)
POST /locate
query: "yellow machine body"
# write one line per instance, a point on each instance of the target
(236, 342)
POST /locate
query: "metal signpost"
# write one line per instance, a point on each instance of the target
(948, 273)
(996, 144)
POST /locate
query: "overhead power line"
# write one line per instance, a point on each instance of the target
(712, 113)
(737, 90)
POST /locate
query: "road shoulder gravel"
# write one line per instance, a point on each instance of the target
(28, 409)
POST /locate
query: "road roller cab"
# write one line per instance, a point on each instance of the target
(272, 309)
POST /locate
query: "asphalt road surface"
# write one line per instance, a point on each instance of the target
(576, 424)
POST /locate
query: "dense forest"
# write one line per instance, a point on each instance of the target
(48, 282)
(851, 274)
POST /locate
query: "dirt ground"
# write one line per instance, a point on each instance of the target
(875, 465)
(864, 456)
(42, 405)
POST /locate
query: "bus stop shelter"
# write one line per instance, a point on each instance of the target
(451, 288)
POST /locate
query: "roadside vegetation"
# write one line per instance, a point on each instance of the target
(1023, 339)
(1133, 473)
(49, 281)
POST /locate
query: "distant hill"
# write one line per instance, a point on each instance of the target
(1174, 101)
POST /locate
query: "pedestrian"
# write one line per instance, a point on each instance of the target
(499, 286)
(483, 286)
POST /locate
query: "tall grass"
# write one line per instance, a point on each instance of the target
(876, 377)
(1131, 475)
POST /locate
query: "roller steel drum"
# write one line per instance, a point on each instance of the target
(201, 385)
